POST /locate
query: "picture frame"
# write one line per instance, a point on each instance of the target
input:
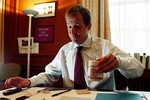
(23, 45)
(44, 33)
(23, 42)
(47, 9)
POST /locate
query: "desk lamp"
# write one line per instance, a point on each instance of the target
(30, 14)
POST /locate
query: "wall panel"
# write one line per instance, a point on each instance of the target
(16, 25)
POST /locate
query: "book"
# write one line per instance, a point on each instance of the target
(148, 62)
(144, 60)
(118, 96)
(137, 56)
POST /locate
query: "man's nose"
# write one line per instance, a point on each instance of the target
(74, 31)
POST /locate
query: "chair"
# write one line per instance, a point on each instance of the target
(8, 70)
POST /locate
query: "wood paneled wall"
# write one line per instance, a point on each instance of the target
(16, 25)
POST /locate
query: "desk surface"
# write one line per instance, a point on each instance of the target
(71, 95)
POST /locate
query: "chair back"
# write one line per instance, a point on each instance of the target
(8, 70)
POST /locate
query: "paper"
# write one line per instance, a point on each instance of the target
(83, 92)
(33, 90)
(73, 98)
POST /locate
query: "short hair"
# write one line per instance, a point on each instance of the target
(73, 11)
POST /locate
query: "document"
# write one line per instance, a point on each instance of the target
(73, 98)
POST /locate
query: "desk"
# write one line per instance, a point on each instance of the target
(71, 95)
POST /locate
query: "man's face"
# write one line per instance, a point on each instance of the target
(77, 30)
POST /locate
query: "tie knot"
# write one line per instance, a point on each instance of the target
(79, 48)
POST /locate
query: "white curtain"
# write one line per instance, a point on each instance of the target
(2, 5)
(130, 25)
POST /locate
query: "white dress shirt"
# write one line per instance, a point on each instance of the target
(94, 48)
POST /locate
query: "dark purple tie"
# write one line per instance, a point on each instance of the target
(79, 81)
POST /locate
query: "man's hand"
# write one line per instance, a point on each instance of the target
(107, 63)
(17, 82)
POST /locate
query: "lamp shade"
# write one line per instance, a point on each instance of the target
(30, 12)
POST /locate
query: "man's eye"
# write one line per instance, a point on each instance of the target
(69, 27)
(77, 27)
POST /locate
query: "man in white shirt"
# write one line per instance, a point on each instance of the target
(110, 57)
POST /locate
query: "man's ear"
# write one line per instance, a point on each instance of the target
(89, 26)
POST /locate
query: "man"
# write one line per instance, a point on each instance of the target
(109, 58)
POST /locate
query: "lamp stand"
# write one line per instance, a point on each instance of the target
(30, 14)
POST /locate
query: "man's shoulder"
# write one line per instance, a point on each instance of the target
(99, 40)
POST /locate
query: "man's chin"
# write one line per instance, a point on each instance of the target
(75, 41)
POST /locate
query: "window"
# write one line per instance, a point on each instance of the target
(130, 25)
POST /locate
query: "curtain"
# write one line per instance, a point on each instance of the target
(130, 25)
(2, 6)
(100, 17)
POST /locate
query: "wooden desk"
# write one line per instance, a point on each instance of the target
(72, 94)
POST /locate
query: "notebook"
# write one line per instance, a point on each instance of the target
(118, 96)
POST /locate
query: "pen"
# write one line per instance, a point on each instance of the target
(61, 92)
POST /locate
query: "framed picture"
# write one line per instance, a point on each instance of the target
(44, 33)
(23, 45)
(23, 42)
(45, 9)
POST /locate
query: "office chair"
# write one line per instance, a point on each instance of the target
(8, 70)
